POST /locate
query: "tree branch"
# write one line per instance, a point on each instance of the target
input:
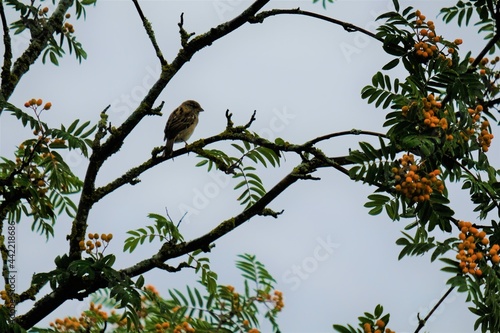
(7, 55)
(259, 18)
(230, 135)
(422, 322)
(169, 251)
(150, 32)
(35, 48)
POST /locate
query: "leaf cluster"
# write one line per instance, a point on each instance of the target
(36, 20)
(38, 182)
(222, 309)
(368, 319)
(249, 180)
(163, 229)
(484, 10)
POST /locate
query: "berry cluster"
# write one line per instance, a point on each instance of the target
(489, 75)
(429, 113)
(162, 327)
(85, 322)
(68, 27)
(484, 136)
(426, 46)
(185, 327)
(94, 243)
(278, 300)
(473, 249)
(377, 328)
(246, 326)
(413, 182)
(470, 249)
(4, 295)
(35, 103)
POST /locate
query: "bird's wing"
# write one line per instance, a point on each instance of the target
(177, 122)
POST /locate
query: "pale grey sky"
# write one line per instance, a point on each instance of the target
(330, 258)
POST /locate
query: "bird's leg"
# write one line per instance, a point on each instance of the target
(186, 144)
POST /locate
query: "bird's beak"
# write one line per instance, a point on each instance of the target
(201, 110)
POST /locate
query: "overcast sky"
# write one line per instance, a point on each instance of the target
(303, 77)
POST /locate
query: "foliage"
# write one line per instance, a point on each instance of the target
(166, 231)
(38, 181)
(439, 118)
(196, 309)
(369, 322)
(253, 187)
(36, 19)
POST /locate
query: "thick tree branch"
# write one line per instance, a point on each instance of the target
(72, 289)
(197, 147)
(7, 54)
(169, 251)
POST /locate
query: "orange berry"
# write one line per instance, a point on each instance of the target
(47, 106)
(458, 41)
(495, 259)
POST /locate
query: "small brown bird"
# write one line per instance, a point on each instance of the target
(181, 124)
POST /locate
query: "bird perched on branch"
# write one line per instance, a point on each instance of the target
(181, 124)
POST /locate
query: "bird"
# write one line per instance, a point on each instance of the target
(181, 124)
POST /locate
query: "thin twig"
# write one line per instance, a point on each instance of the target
(259, 18)
(150, 32)
(351, 132)
(421, 322)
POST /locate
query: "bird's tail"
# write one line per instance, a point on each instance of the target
(169, 147)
